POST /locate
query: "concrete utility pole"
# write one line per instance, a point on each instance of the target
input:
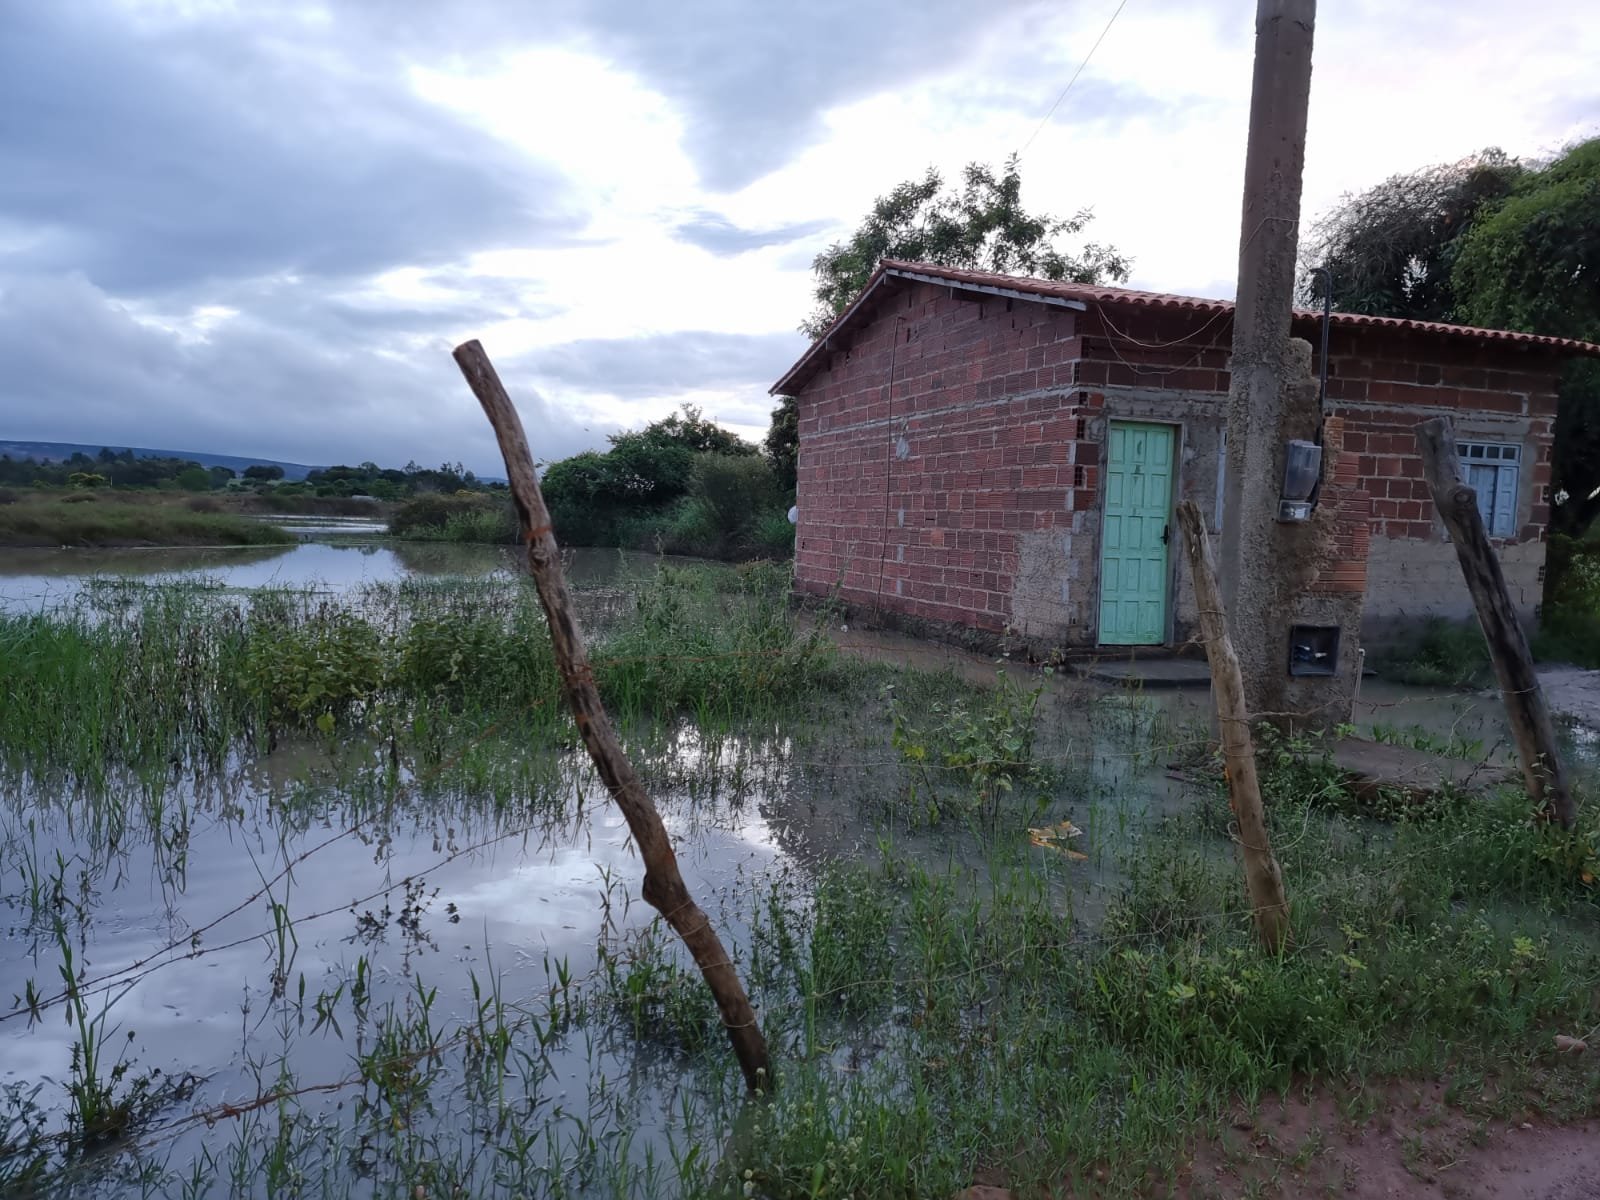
(1263, 372)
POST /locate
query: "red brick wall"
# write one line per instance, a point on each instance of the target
(1384, 383)
(947, 498)
(1343, 496)
(918, 497)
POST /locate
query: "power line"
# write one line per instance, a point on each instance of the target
(1074, 78)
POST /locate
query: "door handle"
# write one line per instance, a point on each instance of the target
(1166, 535)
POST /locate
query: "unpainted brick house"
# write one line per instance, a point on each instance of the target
(1003, 454)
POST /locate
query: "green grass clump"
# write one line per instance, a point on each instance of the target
(186, 675)
(715, 642)
(157, 681)
(1443, 654)
(85, 520)
(1012, 1046)
(1569, 627)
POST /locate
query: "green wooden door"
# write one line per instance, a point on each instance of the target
(1135, 534)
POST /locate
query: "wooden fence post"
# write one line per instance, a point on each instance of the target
(663, 888)
(1263, 877)
(1526, 710)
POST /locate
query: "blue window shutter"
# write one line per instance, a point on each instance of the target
(1481, 479)
(1505, 501)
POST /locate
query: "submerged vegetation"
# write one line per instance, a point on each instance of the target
(392, 911)
(87, 519)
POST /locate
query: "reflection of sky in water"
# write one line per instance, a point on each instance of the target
(529, 896)
(33, 579)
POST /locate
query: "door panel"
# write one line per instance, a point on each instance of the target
(1134, 534)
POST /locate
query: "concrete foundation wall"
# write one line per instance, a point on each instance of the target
(1409, 582)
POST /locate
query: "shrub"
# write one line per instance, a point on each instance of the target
(494, 526)
(1570, 628)
(772, 535)
(309, 674)
(1451, 653)
(458, 518)
(971, 756)
(733, 490)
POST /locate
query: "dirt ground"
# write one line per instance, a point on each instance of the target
(1402, 1140)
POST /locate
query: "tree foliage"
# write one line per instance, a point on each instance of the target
(1487, 241)
(1533, 263)
(683, 470)
(1391, 250)
(981, 225)
(782, 443)
(691, 430)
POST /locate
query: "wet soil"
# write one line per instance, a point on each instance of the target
(1401, 1139)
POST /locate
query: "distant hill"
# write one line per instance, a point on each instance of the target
(58, 451)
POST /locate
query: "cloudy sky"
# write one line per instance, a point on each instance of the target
(258, 227)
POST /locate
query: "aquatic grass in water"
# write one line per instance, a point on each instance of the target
(183, 677)
(434, 987)
(86, 520)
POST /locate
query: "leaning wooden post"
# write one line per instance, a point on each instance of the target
(663, 883)
(1262, 876)
(1508, 644)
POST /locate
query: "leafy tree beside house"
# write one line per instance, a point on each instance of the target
(1515, 245)
(980, 225)
(1533, 264)
(1392, 249)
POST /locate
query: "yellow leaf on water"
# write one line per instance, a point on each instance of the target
(1054, 837)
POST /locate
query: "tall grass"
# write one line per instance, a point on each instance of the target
(1443, 653)
(147, 677)
(85, 520)
(1569, 628)
(964, 1006)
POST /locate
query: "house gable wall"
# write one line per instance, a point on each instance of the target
(969, 493)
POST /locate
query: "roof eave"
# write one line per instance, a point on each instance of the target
(824, 343)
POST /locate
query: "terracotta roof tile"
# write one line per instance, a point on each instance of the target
(1087, 293)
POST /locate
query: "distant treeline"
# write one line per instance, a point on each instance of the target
(123, 469)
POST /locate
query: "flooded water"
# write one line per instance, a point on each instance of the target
(267, 932)
(316, 525)
(34, 579)
(211, 931)
(267, 942)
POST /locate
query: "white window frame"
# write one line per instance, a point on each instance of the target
(1494, 471)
